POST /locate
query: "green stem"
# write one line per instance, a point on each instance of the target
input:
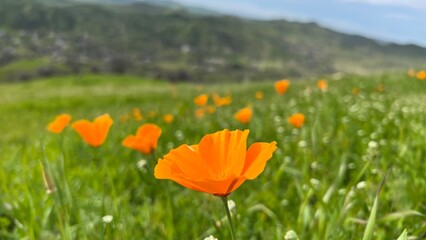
(228, 214)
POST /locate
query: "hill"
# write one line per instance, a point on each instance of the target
(42, 38)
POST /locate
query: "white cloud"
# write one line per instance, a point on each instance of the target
(417, 4)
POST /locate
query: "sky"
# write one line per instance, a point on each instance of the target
(398, 21)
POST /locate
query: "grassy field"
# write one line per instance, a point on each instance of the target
(321, 182)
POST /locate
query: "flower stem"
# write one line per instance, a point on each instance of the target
(228, 214)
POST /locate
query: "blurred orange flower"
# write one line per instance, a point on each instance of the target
(218, 165)
(201, 100)
(322, 85)
(356, 91)
(137, 114)
(222, 101)
(199, 113)
(259, 95)
(297, 120)
(380, 88)
(124, 118)
(93, 133)
(282, 86)
(60, 122)
(145, 140)
(244, 115)
(421, 75)
(211, 109)
(168, 118)
(411, 72)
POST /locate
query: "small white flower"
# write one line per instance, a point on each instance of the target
(361, 185)
(373, 144)
(315, 182)
(7, 206)
(277, 119)
(170, 145)
(291, 235)
(211, 237)
(361, 133)
(342, 191)
(107, 219)
(231, 205)
(314, 165)
(179, 135)
(141, 165)
(302, 144)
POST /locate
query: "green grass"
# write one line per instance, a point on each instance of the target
(18, 70)
(321, 182)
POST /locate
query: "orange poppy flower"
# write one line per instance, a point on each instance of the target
(199, 113)
(244, 115)
(218, 165)
(201, 100)
(297, 120)
(60, 122)
(380, 88)
(222, 101)
(259, 95)
(93, 133)
(210, 109)
(145, 140)
(282, 86)
(322, 85)
(356, 91)
(421, 75)
(137, 114)
(168, 118)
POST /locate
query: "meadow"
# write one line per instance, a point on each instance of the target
(320, 183)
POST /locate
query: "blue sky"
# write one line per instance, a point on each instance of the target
(400, 21)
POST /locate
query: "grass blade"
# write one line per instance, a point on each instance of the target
(403, 235)
(369, 230)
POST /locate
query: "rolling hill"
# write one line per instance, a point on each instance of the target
(42, 38)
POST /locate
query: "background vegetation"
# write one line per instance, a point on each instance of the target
(321, 182)
(168, 41)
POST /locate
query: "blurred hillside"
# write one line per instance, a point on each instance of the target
(166, 40)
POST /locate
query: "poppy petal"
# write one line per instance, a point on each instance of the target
(257, 156)
(102, 125)
(129, 141)
(85, 129)
(224, 153)
(186, 161)
(60, 122)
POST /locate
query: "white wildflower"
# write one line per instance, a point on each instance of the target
(107, 219)
(302, 144)
(373, 144)
(141, 165)
(231, 205)
(291, 235)
(211, 237)
(361, 185)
